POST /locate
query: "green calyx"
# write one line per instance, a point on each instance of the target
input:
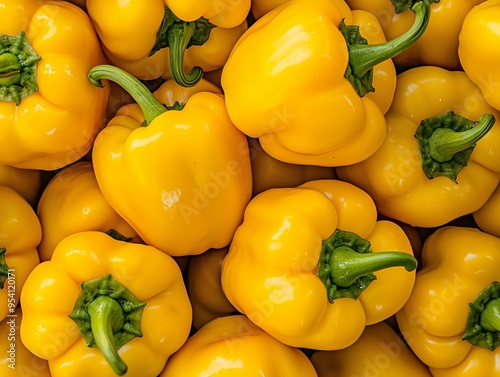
(18, 67)
(108, 316)
(403, 5)
(483, 321)
(347, 264)
(4, 269)
(113, 233)
(148, 103)
(179, 35)
(363, 56)
(447, 141)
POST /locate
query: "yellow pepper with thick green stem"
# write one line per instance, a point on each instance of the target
(154, 39)
(167, 181)
(20, 234)
(104, 307)
(15, 359)
(451, 319)
(438, 45)
(311, 265)
(233, 346)
(477, 49)
(72, 202)
(440, 159)
(379, 351)
(48, 48)
(312, 56)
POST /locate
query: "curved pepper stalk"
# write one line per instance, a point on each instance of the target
(108, 316)
(403, 5)
(363, 57)
(447, 141)
(4, 269)
(347, 264)
(179, 35)
(483, 321)
(18, 67)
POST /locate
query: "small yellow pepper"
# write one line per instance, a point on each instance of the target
(233, 346)
(28, 183)
(20, 234)
(268, 172)
(310, 265)
(15, 359)
(477, 49)
(51, 114)
(379, 351)
(154, 39)
(486, 217)
(441, 157)
(72, 202)
(181, 175)
(438, 45)
(104, 307)
(309, 56)
(449, 299)
(205, 288)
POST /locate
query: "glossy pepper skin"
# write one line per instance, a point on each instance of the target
(299, 48)
(438, 45)
(433, 320)
(485, 218)
(45, 126)
(16, 360)
(205, 288)
(272, 270)
(20, 234)
(158, 319)
(234, 346)
(182, 181)
(379, 351)
(268, 172)
(27, 182)
(131, 37)
(72, 202)
(477, 36)
(394, 175)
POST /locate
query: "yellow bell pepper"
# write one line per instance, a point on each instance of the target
(485, 218)
(311, 265)
(478, 35)
(433, 180)
(268, 172)
(104, 307)
(154, 39)
(451, 321)
(183, 181)
(72, 202)
(50, 112)
(438, 45)
(379, 351)
(234, 346)
(16, 360)
(28, 183)
(20, 234)
(309, 56)
(205, 289)
(261, 7)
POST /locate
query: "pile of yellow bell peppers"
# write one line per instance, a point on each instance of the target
(273, 188)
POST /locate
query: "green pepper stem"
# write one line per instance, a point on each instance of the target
(107, 318)
(363, 57)
(490, 316)
(178, 38)
(444, 143)
(349, 265)
(10, 69)
(148, 103)
(4, 269)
